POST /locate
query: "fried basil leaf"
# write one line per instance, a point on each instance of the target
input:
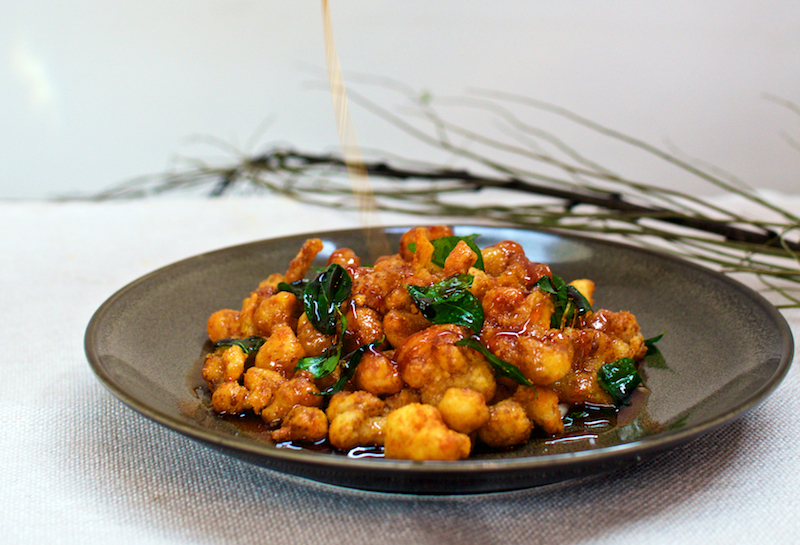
(349, 364)
(248, 345)
(323, 296)
(501, 367)
(449, 302)
(298, 287)
(654, 358)
(444, 245)
(568, 301)
(321, 366)
(324, 364)
(619, 378)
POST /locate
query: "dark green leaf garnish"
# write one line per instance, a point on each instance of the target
(501, 367)
(321, 366)
(654, 358)
(248, 345)
(443, 246)
(297, 287)
(348, 367)
(568, 301)
(324, 364)
(449, 302)
(323, 296)
(619, 378)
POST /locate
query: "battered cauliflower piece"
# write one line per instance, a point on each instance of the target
(459, 260)
(299, 390)
(280, 352)
(313, 342)
(541, 407)
(279, 310)
(508, 425)
(431, 362)
(463, 410)
(399, 325)
(298, 267)
(302, 425)
(417, 432)
(607, 337)
(377, 374)
(356, 419)
(261, 383)
(223, 366)
(230, 398)
(223, 324)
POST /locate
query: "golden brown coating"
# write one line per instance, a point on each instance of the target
(417, 432)
(313, 342)
(280, 309)
(223, 365)
(377, 374)
(508, 425)
(541, 407)
(230, 398)
(419, 393)
(364, 325)
(261, 383)
(460, 259)
(298, 267)
(302, 425)
(345, 257)
(607, 337)
(463, 410)
(430, 233)
(399, 325)
(431, 362)
(356, 419)
(280, 352)
(299, 390)
(223, 324)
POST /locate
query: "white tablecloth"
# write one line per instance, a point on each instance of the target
(80, 467)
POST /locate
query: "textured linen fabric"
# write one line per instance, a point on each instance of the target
(80, 467)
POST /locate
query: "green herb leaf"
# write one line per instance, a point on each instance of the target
(321, 366)
(654, 358)
(449, 302)
(323, 296)
(248, 345)
(349, 364)
(297, 287)
(501, 367)
(444, 245)
(568, 301)
(619, 378)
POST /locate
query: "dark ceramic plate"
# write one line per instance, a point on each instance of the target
(725, 346)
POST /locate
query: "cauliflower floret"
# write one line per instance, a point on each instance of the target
(223, 324)
(508, 425)
(223, 366)
(261, 383)
(230, 398)
(356, 419)
(377, 374)
(298, 267)
(299, 390)
(279, 310)
(431, 362)
(463, 410)
(280, 352)
(302, 425)
(417, 432)
(541, 407)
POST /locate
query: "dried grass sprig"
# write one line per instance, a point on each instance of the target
(551, 183)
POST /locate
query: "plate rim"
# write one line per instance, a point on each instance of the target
(647, 444)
